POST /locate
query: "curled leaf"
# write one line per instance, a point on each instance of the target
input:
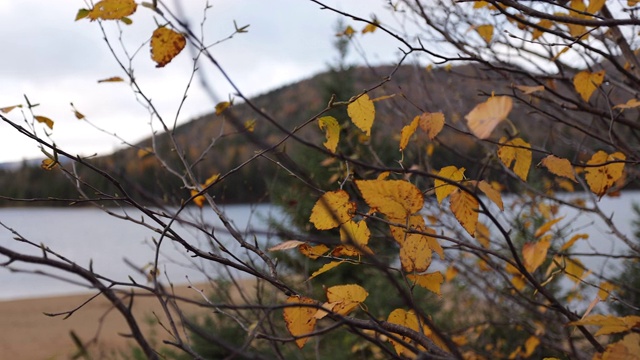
(45, 120)
(330, 126)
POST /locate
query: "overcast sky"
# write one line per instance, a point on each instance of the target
(55, 61)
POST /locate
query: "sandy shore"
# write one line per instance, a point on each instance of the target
(26, 333)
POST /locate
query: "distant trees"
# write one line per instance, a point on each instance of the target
(434, 232)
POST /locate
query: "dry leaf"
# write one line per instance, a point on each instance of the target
(330, 126)
(528, 90)
(432, 124)
(111, 9)
(166, 44)
(45, 120)
(487, 115)
(286, 245)
(486, 32)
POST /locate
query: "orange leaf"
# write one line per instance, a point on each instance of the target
(487, 115)
(313, 252)
(546, 227)
(528, 90)
(534, 254)
(530, 346)
(573, 239)
(483, 235)
(431, 281)
(559, 166)
(345, 298)
(394, 198)
(492, 193)
(286, 245)
(362, 113)
(330, 126)
(9, 108)
(516, 152)
(300, 320)
(601, 178)
(442, 188)
(112, 9)
(45, 120)
(465, 208)
(632, 103)
(586, 83)
(486, 32)
(332, 209)
(165, 45)
(111, 79)
(609, 324)
(432, 124)
(407, 132)
(325, 268)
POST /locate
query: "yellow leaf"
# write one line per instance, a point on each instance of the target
(605, 289)
(199, 199)
(48, 164)
(432, 124)
(346, 250)
(394, 198)
(370, 28)
(313, 252)
(574, 269)
(165, 45)
(415, 254)
(528, 90)
(479, 4)
(222, 106)
(406, 319)
(595, 6)
(492, 193)
(601, 178)
(431, 281)
(486, 32)
(250, 125)
(144, 152)
(356, 234)
(632, 103)
(544, 24)
(330, 126)
(632, 2)
(534, 254)
(626, 349)
(112, 9)
(450, 273)
(7, 109)
(332, 209)
(483, 235)
(300, 320)
(586, 83)
(609, 324)
(573, 239)
(465, 208)
(407, 132)
(546, 227)
(286, 245)
(346, 298)
(45, 120)
(325, 268)
(111, 79)
(516, 151)
(487, 115)
(559, 166)
(362, 113)
(442, 188)
(530, 346)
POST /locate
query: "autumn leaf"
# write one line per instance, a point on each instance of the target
(343, 299)
(450, 274)
(48, 164)
(166, 44)
(325, 268)
(530, 346)
(487, 115)
(626, 349)
(559, 166)
(286, 245)
(604, 290)
(444, 189)
(330, 126)
(44, 120)
(546, 227)
(313, 252)
(492, 193)
(407, 132)
(356, 233)
(534, 254)
(111, 10)
(144, 152)
(111, 79)
(371, 27)
(518, 153)
(610, 324)
(431, 281)
(406, 319)
(332, 209)
(394, 198)
(573, 239)
(528, 90)
(465, 208)
(250, 125)
(432, 124)
(586, 83)
(632, 103)
(601, 178)
(345, 250)
(545, 24)
(300, 320)
(362, 113)
(595, 6)
(222, 106)
(7, 109)
(483, 235)
(415, 254)
(486, 32)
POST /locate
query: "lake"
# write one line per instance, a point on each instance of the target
(88, 234)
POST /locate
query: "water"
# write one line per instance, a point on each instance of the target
(88, 234)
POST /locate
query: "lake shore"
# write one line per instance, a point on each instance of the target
(27, 333)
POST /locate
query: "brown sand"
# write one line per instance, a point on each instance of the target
(26, 333)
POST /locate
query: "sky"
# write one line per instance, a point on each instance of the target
(55, 61)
